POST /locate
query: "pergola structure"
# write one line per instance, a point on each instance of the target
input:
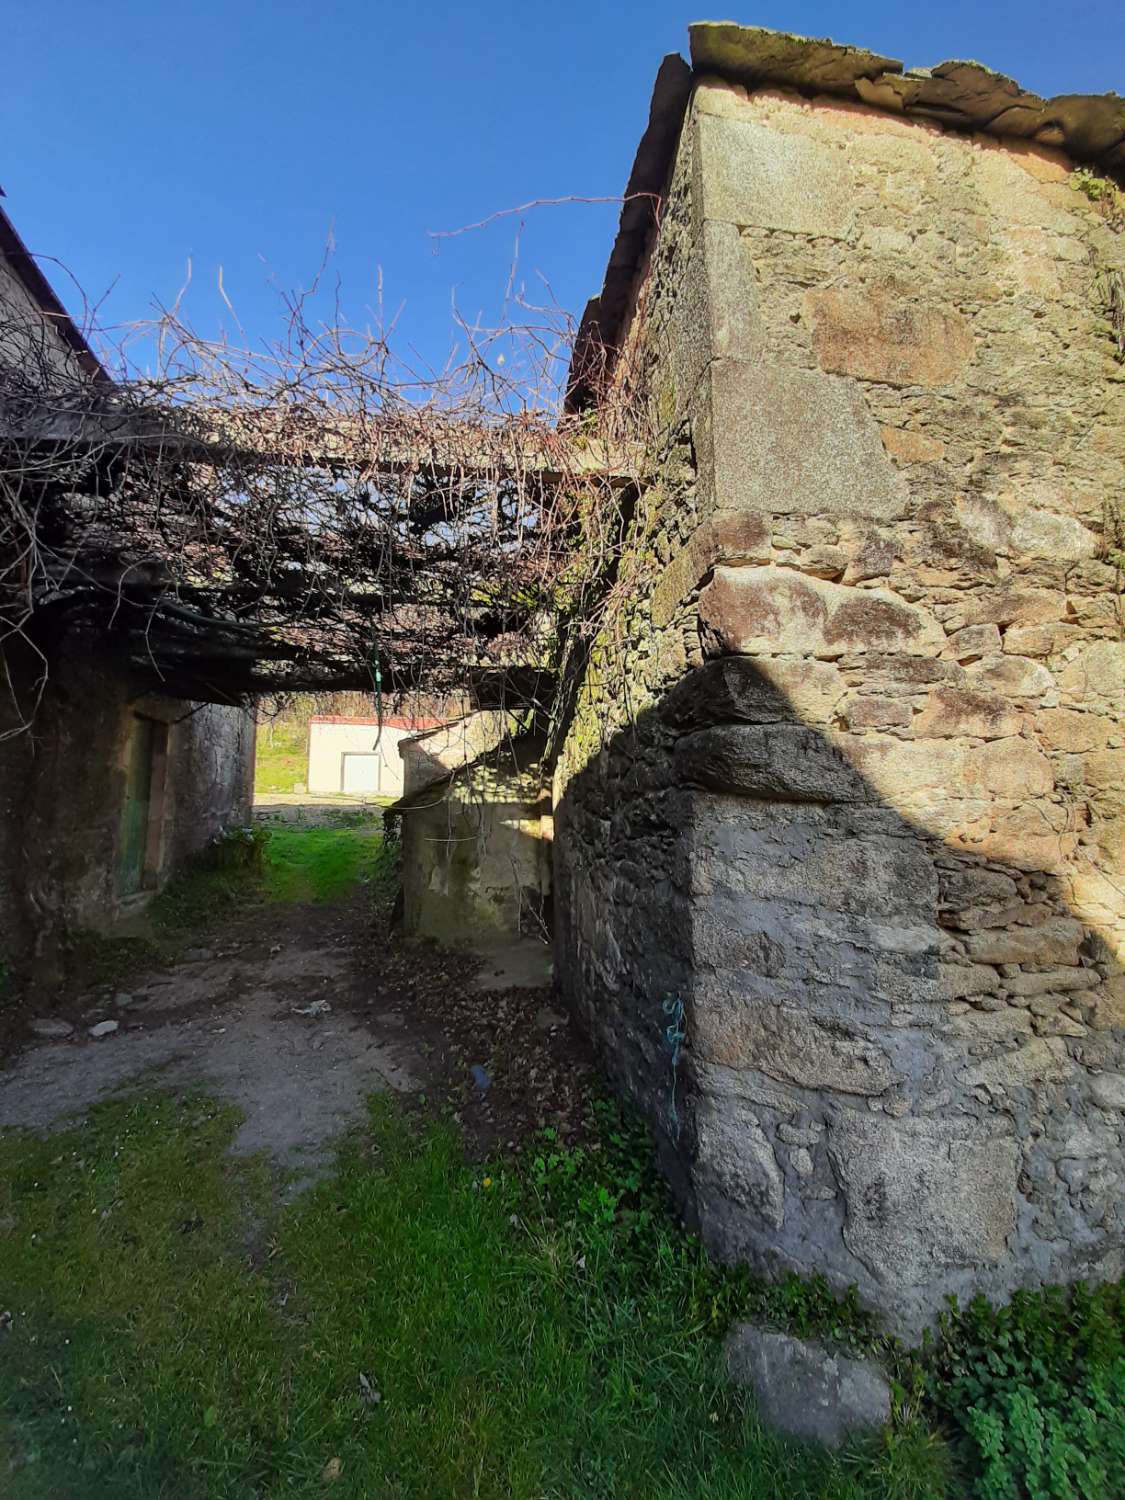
(258, 527)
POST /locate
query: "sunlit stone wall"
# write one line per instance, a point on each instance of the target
(848, 780)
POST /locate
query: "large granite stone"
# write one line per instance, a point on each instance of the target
(784, 762)
(1053, 942)
(1036, 1062)
(785, 1044)
(806, 1389)
(775, 611)
(951, 712)
(755, 176)
(788, 441)
(735, 1165)
(876, 335)
(922, 1195)
(764, 691)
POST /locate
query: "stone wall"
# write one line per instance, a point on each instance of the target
(847, 777)
(430, 757)
(476, 851)
(210, 776)
(64, 783)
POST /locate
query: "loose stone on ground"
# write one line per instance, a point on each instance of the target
(805, 1389)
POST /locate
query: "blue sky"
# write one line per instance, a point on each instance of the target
(139, 133)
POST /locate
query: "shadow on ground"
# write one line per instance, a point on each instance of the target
(296, 1012)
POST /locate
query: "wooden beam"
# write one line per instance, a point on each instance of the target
(459, 453)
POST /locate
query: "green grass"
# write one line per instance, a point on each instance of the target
(320, 864)
(131, 1303)
(285, 865)
(538, 1330)
(281, 761)
(533, 1332)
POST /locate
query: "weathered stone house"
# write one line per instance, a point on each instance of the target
(838, 792)
(105, 788)
(847, 780)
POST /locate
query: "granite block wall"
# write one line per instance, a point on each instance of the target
(845, 776)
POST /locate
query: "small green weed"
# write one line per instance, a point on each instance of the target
(1037, 1389)
(612, 1190)
(1104, 192)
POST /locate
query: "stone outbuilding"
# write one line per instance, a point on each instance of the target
(845, 788)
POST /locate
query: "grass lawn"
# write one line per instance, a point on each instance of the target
(321, 864)
(417, 1327)
(412, 1327)
(285, 865)
(281, 758)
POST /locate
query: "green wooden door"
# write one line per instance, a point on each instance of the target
(132, 840)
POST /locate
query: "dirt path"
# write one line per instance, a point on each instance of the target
(295, 1013)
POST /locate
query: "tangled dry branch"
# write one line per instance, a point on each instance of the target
(317, 514)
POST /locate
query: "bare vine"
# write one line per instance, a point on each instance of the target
(316, 514)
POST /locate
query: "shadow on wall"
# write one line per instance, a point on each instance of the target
(476, 864)
(903, 1064)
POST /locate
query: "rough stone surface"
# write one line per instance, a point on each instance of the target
(476, 850)
(879, 336)
(849, 782)
(921, 1192)
(820, 451)
(762, 611)
(967, 95)
(1108, 1090)
(784, 762)
(783, 1043)
(763, 691)
(952, 712)
(1054, 941)
(50, 1027)
(911, 447)
(62, 792)
(805, 1389)
(751, 175)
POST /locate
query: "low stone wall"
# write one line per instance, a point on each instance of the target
(847, 780)
(476, 861)
(428, 758)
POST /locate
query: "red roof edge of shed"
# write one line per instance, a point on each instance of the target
(387, 723)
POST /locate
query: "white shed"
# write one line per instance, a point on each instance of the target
(359, 756)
